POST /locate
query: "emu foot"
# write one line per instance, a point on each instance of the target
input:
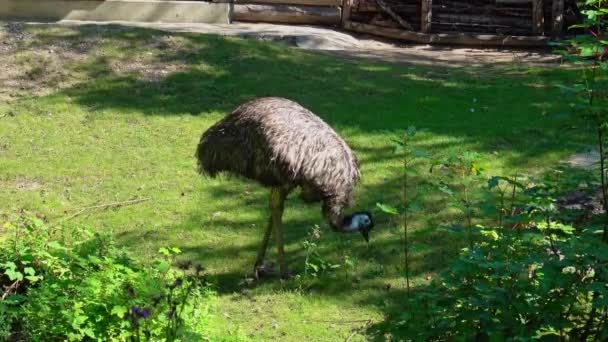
(286, 275)
(264, 270)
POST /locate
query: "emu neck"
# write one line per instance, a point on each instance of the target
(337, 221)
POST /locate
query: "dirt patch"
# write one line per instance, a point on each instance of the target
(34, 67)
(37, 60)
(581, 205)
(170, 53)
(584, 160)
(350, 45)
(26, 184)
(148, 71)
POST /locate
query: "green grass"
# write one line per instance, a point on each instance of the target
(92, 116)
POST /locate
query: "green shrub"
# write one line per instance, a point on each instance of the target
(516, 287)
(71, 284)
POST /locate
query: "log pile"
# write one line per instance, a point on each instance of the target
(499, 17)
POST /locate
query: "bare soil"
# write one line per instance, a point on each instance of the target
(358, 46)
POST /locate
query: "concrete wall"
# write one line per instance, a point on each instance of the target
(122, 10)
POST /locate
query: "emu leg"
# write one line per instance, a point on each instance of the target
(262, 251)
(277, 204)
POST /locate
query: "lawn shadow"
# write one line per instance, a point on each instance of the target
(153, 72)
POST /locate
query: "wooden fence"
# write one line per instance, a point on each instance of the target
(470, 22)
(473, 22)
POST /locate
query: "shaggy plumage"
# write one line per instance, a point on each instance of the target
(279, 143)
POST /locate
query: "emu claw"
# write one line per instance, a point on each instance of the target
(264, 270)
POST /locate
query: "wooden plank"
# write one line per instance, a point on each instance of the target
(426, 15)
(558, 17)
(372, 6)
(538, 17)
(386, 8)
(292, 2)
(487, 20)
(387, 32)
(346, 10)
(448, 38)
(287, 14)
(513, 2)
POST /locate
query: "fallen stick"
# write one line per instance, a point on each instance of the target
(13, 287)
(345, 322)
(105, 206)
(356, 331)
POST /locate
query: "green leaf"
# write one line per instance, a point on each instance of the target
(493, 182)
(589, 51)
(56, 245)
(445, 189)
(119, 311)
(163, 266)
(13, 274)
(490, 234)
(94, 260)
(88, 331)
(33, 279)
(9, 265)
(387, 209)
(29, 271)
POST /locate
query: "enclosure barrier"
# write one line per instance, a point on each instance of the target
(168, 11)
(471, 22)
(467, 22)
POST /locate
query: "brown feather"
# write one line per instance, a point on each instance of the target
(279, 143)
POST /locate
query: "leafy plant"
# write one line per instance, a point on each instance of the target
(590, 92)
(83, 287)
(409, 202)
(457, 174)
(314, 264)
(540, 282)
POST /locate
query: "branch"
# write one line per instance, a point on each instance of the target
(106, 206)
(363, 327)
(345, 322)
(394, 15)
(12, 288)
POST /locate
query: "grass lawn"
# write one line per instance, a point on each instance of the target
(92, 115)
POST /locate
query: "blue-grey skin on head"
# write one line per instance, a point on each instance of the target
(361, 222)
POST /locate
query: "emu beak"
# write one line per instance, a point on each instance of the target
(365, 234)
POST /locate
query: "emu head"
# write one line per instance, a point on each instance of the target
(360, 221)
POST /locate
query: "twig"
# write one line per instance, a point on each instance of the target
(345, 322)
(356, 331)
(106, 206)
(11, 288)
(394, 15)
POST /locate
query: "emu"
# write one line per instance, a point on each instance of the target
(283, 146)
